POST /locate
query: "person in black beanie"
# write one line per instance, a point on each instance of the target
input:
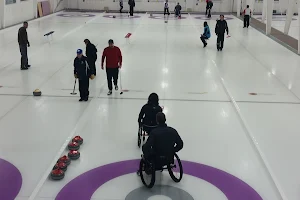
(83, 73)
(91, 54)
(220, 29)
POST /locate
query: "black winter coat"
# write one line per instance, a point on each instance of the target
(163, 141)
(148, 114)
(22, 36)
(81, 68)
(221, 27)
(91, 52)
(131, 3)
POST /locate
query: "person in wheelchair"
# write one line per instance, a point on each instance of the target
(147, 116)
(164, 141)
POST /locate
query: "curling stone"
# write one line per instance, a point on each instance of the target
(57, 174)
(73, 146)
(61, 165)
(65, 160)
(74, 155)
(37, 92)
(114, 16)
(166, 21)
(78, 140)
(151, 15)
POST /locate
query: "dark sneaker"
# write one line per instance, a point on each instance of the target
(109, 92)
(80, 99)
(116, 87)
(24, 68)
(205, 45)
(28, 66)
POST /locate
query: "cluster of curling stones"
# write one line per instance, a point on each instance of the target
(61, 165)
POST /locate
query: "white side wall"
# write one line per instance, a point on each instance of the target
(144, 5)
(18, 12)
(24, 10)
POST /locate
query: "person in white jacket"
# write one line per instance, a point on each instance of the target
(166, 8)
(247, 15)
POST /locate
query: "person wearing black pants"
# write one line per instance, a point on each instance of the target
(166, 8)
(91, 54)
(131, 4)
(209, 5)
(113, 56)
(23, 44)
(220, 29)
(83, 73)
(121, 6)
(112, 74)
(247, 15)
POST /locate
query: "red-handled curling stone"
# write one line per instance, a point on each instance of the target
(61, 165)
(65, 160)
(73, 146)
(74, 155)
(57, 174)
(78, 139)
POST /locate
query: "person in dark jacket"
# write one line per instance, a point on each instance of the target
(91, 54)
(205, 35)
(163, 140)
(209, 5)
(23, 44)
(131, 4)
(148, 113)
(83, 73)
(178, 10)
(220, 29)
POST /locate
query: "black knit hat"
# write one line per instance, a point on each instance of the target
(110, 41)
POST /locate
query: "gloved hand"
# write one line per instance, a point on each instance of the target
(92, 76)
(75, 76)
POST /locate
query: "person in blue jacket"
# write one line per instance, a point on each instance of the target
(206, 34)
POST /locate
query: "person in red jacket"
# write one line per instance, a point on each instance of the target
(113, 56)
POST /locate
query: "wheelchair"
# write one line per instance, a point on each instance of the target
(147, 169)
(142, 133)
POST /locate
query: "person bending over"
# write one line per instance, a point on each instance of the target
(148, 113)
(163, 140)
(205, 35)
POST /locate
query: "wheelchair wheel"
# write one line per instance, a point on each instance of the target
(139, 137)
(176, 170)
(147, 173)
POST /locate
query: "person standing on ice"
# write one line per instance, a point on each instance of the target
(209, 5)
(113, 57)
(83, 73)
(166, 8)
(91, 54)
(23, 44)
(121, 6)
(178, 10)
(247, 15)
(131, 4)
(220, 29)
